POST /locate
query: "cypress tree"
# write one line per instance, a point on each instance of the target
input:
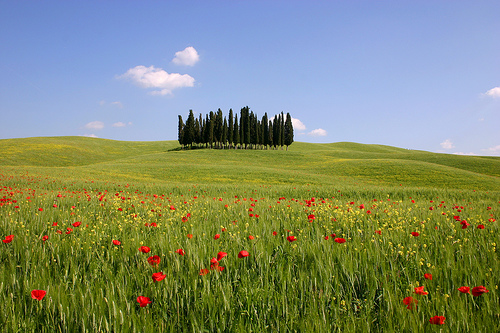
(252, 129)
(270, 134)
(202, 131)
(230, 134)
(211, 129)
(218, 128)
(277, 131)
(265, 130)
(188, 135)
(247, 127)
(224, 133)
(197, 135)
(282, 130)
(236, 132)
(288, 131)
(180, 130)
(206, 134)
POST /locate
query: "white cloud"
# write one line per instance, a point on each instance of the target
(117, 103)
(447, 144)
(492, 150)
(90, 135)
(461, 153)
(119, 124)
(96, 125)
(186, 57)
(494, 92)
(151, 77)
(298, 125)
(318, 132)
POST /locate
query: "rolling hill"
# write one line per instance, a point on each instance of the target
(304, 163)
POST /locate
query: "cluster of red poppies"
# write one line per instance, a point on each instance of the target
(411, 303)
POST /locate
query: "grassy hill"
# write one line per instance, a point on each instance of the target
(304, 163)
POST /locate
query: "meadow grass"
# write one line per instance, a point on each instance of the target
(315, 283)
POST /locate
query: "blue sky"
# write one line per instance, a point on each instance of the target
(412, 74)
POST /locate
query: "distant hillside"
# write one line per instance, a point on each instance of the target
(303, 163)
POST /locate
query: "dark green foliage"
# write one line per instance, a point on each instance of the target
(188, 136)
(216, 131)
(180, 131)
(288, 131)
(230, 130)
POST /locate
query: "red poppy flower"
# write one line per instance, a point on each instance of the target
(478, 291)
(180, 251)
(116, 242)
(437, 320)
(464, 289)
(54, 224)
(184, 219)
(221, 255)
(40, 209)
(415, 234)
(291, 238)
(217, 236)
(143, 301)
(77, 224)
(217, 268)
(340, 240)
(480, 226)
(38, 294)
(158, 276)
(189, 236)
(251, 237)
(420, 291)
(69, 230)
(274, 233)
(410, 302)
(44, 238)
(144, 249)
(326, 237)
(204, 271)
(243, 254)
(154, 260)
(464, 224)
(428, 276)
(378, 232)
(8, 239)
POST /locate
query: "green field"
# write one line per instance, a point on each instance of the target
(305, 163)
(154, 194)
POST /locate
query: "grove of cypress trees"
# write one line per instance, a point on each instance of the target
(219, 132)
